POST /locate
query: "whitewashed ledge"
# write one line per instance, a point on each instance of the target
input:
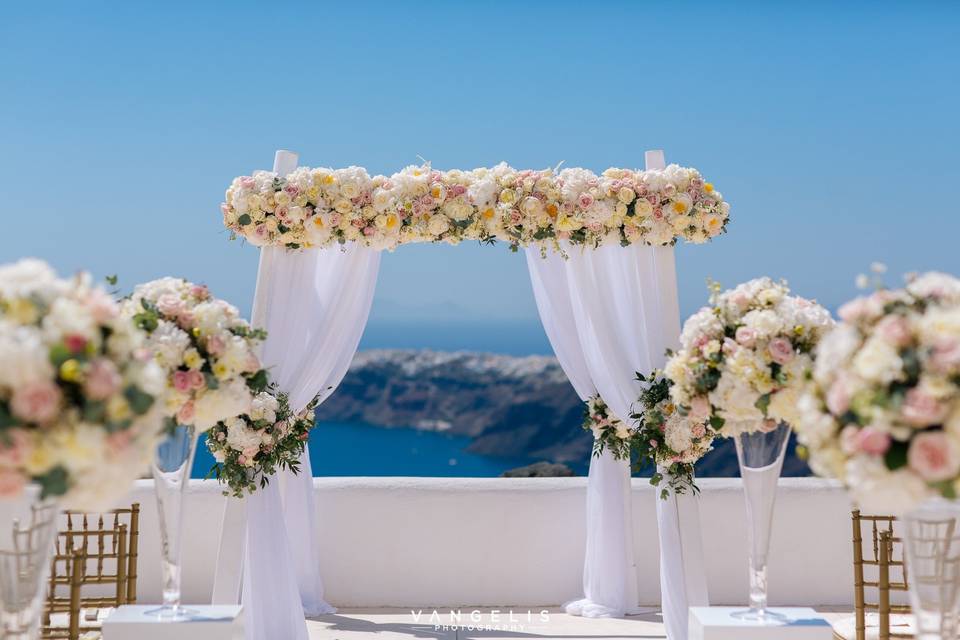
(441, 542)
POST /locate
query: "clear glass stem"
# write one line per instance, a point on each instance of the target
(760, 455)
(171, 475)
(932, 536)
(28, 527)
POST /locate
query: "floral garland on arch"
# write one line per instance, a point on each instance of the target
(668, 439)
(324, 207)
(250, 448)
(609, 432)
(742, 360)
(80, 397)
(882, 411)
(206, 348)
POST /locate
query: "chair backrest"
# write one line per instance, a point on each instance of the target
(97, 550)
(885, 552)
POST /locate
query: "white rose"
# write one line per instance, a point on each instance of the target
(878, 361)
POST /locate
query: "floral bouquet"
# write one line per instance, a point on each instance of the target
(248, 449)
(742, 360)
(205, 346)
(882, 412)
(609, 431)
(322, 207)
(80, 397)
(666, 438)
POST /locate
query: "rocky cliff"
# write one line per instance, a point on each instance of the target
(507, 405)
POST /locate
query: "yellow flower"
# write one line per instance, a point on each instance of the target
(392, 221)
(221, 370)
(507, 196)
(328, 179)
(40, 459)
(488, 213)
(192, 359)
(708, 187)
(21, 310)
(712, 223)
(118, 409)
(71, 371)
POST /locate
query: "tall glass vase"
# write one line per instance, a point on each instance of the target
(932, 537)
(28, 527)
(171, 474)
(760, 455)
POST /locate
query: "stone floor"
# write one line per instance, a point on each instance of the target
(487, 624)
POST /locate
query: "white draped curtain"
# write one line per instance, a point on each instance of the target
(609, 313)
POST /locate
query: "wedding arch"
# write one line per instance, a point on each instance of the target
(600, 254)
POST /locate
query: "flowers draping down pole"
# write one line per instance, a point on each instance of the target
(324, 207)
(250, 448)
(655, 436)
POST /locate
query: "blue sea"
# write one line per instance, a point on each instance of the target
(355, 449)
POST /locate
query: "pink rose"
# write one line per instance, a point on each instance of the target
(768, 426)
(848, 439)
(746, 336)
(945, 355)
(215, 345)
(250, 452)
(740, 299)
(196, 380)
(698, 431)
(699, 409)
(186, 413)
(854, 310)
(838, 396)
(933, 456)
(585, 200)
(119, 441)
(11, 483)
(920, 409)
(15, 449)
(103, 380)
(37, 402)
(369, 231)
(241, 459)
(181, 381)
(781, 350)
(247, 182)
(101, 306)
(872, 441)
(252, 363)
(186, 320)
(894, 330)
(200, 291)
(170, 305)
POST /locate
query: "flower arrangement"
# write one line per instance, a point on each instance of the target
(248, 449)
(207, 349)
(882, 411)
(666, 438)
(609, 432)
(742, 360)
(323, 207)
(80, 397)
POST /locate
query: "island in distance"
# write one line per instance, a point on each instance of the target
(510, 406)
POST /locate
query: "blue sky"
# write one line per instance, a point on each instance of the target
(830, 127)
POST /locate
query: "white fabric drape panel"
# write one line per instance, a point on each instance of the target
(270, 594)
(314, 305)
(606, 587)
(620, 303)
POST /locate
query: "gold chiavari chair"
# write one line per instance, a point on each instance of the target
(95, 551)
(882, 568)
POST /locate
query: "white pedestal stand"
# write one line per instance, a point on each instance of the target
(208, 622)
(717, 623)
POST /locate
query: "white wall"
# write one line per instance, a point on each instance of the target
(513, 541)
